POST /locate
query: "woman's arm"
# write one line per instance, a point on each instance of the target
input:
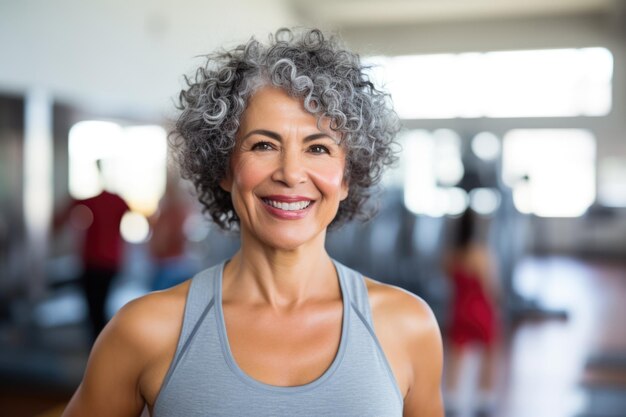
(111, 384)
(410, 338)
(424, 342)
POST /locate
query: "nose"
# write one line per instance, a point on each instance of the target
(291, 169)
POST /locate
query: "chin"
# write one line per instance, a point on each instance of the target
(290, 240)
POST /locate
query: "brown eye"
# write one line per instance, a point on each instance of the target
(262, 146)
(319, 149)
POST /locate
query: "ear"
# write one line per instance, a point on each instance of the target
(345, 189)
(226, 183)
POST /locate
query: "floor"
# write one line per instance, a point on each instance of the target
(550, 371)
(550, 367)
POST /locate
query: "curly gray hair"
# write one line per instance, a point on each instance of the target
(332, 83)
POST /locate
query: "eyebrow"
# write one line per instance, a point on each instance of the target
(276, 136)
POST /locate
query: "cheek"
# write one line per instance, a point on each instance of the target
(247, 173)
(329, 177)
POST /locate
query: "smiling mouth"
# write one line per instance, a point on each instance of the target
(294, 206)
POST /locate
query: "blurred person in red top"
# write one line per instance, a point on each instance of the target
(474, 323)
(102, 246)
(168, 242)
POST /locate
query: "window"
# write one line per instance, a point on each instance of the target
(551, 171)
(612, 182)
(432, 167)
(133, 164)
(534, 83)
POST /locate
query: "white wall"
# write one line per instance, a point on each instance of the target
(125, 56)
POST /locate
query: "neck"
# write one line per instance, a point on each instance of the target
(280, 278)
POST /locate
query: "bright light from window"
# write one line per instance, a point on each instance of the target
(457, 201)
(449, 170)
(88, 142)
(420, 182)
(134, 227)
(537, 83)
(133, 162)
(142, 167)
(448, 165)
(522, 197)
(422, 93)
(484, 201)
(486, 146)
(549, 83)
(612, 182)
(551, 171)
(432, 163)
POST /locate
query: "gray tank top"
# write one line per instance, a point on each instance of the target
(204, 379)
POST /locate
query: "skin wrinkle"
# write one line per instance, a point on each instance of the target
(288, 166)
(330, 81)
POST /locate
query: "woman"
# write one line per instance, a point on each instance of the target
(474, 324)
(281, 141)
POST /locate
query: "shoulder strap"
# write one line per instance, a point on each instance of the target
(357, 291)
(200, 300)
(199, 297)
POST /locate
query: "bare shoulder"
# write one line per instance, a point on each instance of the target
(151, 326)
(156, 315)
(147, 326)
(410, 338)
(401, 310)
(129, 356)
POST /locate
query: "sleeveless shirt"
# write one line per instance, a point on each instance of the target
(204, 379)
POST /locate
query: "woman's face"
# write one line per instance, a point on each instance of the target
(286, 174)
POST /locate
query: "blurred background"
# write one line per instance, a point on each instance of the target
(507, 207)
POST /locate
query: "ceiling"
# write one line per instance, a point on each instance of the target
(384, 12)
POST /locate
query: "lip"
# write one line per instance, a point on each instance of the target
(284, 214)
(287, 198)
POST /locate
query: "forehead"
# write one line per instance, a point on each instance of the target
(273, 108)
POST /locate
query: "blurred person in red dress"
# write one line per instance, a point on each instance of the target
(102, 246)
(474, 323)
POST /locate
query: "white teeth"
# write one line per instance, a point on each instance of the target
(299, 205)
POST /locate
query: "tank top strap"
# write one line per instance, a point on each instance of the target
(354, 282)
(200, 300)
